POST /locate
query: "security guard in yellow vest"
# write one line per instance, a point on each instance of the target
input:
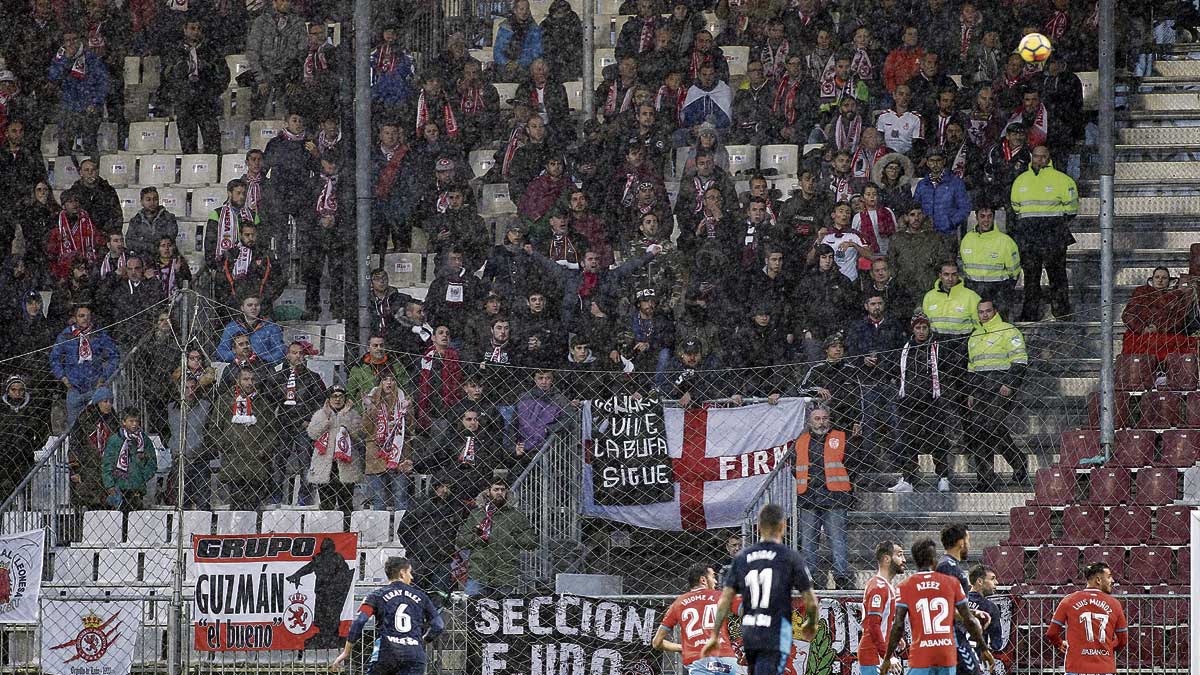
(991, 263)
(950, 306)
(996, 365)
(1045, 201)
(823, 489)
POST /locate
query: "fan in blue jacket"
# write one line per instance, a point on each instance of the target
(83, 358)
(943, 195)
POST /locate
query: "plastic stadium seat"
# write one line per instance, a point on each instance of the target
(1054, 487)
(1008, 561)
(324, 521)
(1135, 447)
(1130, 601)
(131, 202)
(1182, 374)
(204, 200)
(1134, 372)
(603, 58)
(1113, 555)
(198, 169)
(233, 133)
(1157, 486)
(74, 565)
(282, 520)
(481, 162)
(1149, 565)
(194, 522)
(156, 170)
(233, 165)
(1082, 525)
(785, 186)
(118, 169)
(173, 199)
(1057, 565)
(147, 137)
(1129, 525)
(1180, 447)
(238, 64)
(494, 199)
(404, 270)
(171, 142)
(1108, 486)
(742, 158)
(1076, 445)
(262, 131)
(146, 527)
(1191, 416)
(133, 70)
(1028, 526)
(738, 58)
(1183, 563)
(783, 158)
(1171, 525)
(574, 95)
(65, 173)
(373, 527)
(506, 91)
(158, 566)
(117, 566)
(1161, 410)
(237, 522)
(102, 527)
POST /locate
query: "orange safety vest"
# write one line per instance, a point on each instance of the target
(836, 477)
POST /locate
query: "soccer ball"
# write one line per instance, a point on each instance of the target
(1034, 48)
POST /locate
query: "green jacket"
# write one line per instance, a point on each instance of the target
(916, 257)
(494, 562)
(142, 465)
(363, 378)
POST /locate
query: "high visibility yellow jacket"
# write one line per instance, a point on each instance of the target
(952, 313)
(989, 256)
(996, 345)
(1045, 193)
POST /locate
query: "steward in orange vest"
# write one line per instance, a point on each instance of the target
(833, 467)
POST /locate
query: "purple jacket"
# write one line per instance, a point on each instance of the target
(536, 411)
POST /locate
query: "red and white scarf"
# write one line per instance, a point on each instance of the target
(315, 61)
(562, 248)
(515, 140)
(846, 137)
(966, 34)
(289, 389)
(390, 421)
(448, 119)
(774, 59)
(695, 62)
(471, 101)
(467, 456)
(325, 143)
(241, 264)
(106, 265)
(95, 38)
(864, 160)
(130, 443)
(253, 190)
(385, 58)
(861, 65)
(243, 408)
(610, 102)
(75, 239)
(166, 275)
(84, 347)
(700, 187)
(959, 164)
(840, 187)
(229, 225)
(1008, 150)
(100, 435)
(933, 369)
(666, 94)
(343, 447)
(327, 199)
(785, 95)
(1036, 132)
(78, 62)
(1057, 25)
(646, 37)
(289, 136)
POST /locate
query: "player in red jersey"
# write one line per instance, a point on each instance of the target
(695, 614)
(1095, 625)
(933, 599)
(879, 604)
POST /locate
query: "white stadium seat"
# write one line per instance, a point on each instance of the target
(404, 270)
(198, 170)
(506, 90)
(482, 161)
(75, 565)
(194, 522)
(324, 521)
(146, 527)
(603, 59)
(173, 199)
(738, 59)
(373, 527)
(233, 165)
(131, 202)
(282, 520)
(262, 131)
(205, 199)
(156, 170)
(147, 137)
(494, 199)
(171, 143)
(233, 134)
(238, 64)
(102, 527)
(783, 158)
(237, 522)
(375, 560)
(65, 173)
(117, 566)
(574, 95)
(118, 169)
(158, 565)
(742, 158)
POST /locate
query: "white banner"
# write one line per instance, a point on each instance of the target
(720, 458)
(21, 576)
(81, 637)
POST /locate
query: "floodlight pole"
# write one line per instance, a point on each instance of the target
(1107, 207)
(362, 161)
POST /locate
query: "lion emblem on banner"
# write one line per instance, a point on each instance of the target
(93, 641)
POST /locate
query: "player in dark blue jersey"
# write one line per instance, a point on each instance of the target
(765, 574)
(405, 619)
(956, 540)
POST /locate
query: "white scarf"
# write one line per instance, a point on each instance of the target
(933, 368)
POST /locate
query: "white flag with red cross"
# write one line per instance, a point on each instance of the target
(706, 473)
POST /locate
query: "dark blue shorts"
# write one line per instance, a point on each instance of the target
(385, 666)
(765, 662)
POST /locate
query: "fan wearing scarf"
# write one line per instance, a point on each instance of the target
(25, 427)
(518, 42)
(296, 392)
(265, 336)
(73, 236)
(547, 99)
(225, 224)
(387, 424)
(291, 158)
(96, 424)
(392, 72)
(249, 271)
(83, 84)
(242, 431)
(129, 464)
(334, 430)
(317, 81)
(326, 227)
(83, 359)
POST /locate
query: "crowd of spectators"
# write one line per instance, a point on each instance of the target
(911, 118)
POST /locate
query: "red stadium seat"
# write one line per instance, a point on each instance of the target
(1076, 445)
(1180, 447)
(1178, 647)
(1134, 372)
(1121, 416)
(1149, 565)
(1113, 555)
(1157, 486)
(1029, 611)
(1182, 374)
(1192, 414)
(1057, 565)
(1129, 525)
(1008, 561)
(1160, 410)
(1173, 609)
(1054, 487)
(1028, 526)
(1108, 486)
(1135, 447)
(1147, 647)
(1171, 525)
(1183, 564)
(1082, 525)
(1131, 605)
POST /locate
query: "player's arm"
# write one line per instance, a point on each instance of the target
(722, 616)
(1121, 632)
(1058, 623)
(356, 628)
(661, 643)
(894, 636)
(976, 632)
(434, 624)
(873, 622)
(808, 626)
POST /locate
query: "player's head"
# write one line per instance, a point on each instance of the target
(398, 569)
(701, 575)
(924, 554)
(983, 580)
(889, 556)
(1099, 575)
(956, 540)
(771, 523)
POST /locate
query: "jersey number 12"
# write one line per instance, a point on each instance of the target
(935, 613)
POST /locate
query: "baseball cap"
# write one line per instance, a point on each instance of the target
(7, 76)
(645, 294)
(444, 164)
(692, 346)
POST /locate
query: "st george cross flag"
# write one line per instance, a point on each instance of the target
(720, 457)
(81, 637)
(21, 576)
